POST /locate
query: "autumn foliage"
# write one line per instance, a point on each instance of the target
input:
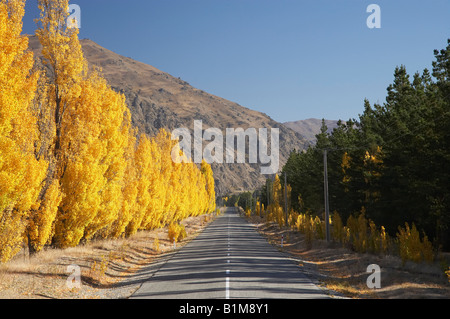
(72, 167)
(358, 233)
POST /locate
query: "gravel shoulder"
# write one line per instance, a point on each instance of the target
(343, 270)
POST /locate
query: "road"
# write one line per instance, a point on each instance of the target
(229, 259)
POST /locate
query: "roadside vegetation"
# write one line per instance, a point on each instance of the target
(72, 167)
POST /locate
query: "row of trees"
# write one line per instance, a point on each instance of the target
(392, 163)
(72, 167)
(357, 232)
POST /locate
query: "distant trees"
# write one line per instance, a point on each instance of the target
(392, 162)
(72, 167)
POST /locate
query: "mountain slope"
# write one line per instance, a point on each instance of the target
(159, 100)
(310, 127)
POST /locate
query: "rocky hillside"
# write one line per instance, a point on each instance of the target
(158, 100)
(310, 127)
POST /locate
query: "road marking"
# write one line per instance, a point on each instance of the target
(227, 279)
(227, 285)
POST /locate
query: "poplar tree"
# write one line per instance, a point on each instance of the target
(209, 181)
(21, 172)
(72, 167)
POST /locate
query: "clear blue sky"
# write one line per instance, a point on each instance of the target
(291, 59)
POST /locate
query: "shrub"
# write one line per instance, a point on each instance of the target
(292, 219)
(300, 223)
(411, 247)
(384, 239)
(309, 231)
(177, 232)
(338, 231)
(358, 232)
(318, 227)
(156, 244)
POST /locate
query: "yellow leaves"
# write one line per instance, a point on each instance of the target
(337, 230)
(209, 180)
(373, 161)
(12, 226)
(345, 165)
(412, 247)
(167, 191)
(176, 232)
(71, 166)
(21, 173)
(40, 227)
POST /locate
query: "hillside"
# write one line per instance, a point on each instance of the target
(310, 127)
(159, 100)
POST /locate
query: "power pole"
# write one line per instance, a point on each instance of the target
(325, 186)
(285, 198)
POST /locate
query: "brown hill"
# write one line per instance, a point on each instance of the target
(159, 100)
(309, 128)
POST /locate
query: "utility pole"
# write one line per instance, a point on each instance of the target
(325, 186)
(285, 198)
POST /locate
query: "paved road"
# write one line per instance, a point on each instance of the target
(229, 259)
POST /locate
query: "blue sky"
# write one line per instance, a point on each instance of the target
(291, 59)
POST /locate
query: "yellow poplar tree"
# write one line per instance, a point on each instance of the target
(92, 127)
(114, 121)
(144, 172)
(277, 191)
(180, 185)
(208, 173)
(129, 190)
(193, 196)
(156, 190)
(65, 69)
(94, 141)
(82, 178)
(21, 173)
(183, 186)
(43, 213)
(165, 144)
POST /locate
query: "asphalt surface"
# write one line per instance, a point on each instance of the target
(228, 260)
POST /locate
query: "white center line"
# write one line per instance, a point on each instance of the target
(227, 279)
(227, 285)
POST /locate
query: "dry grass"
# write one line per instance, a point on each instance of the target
(104, 265)
(343, 270)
